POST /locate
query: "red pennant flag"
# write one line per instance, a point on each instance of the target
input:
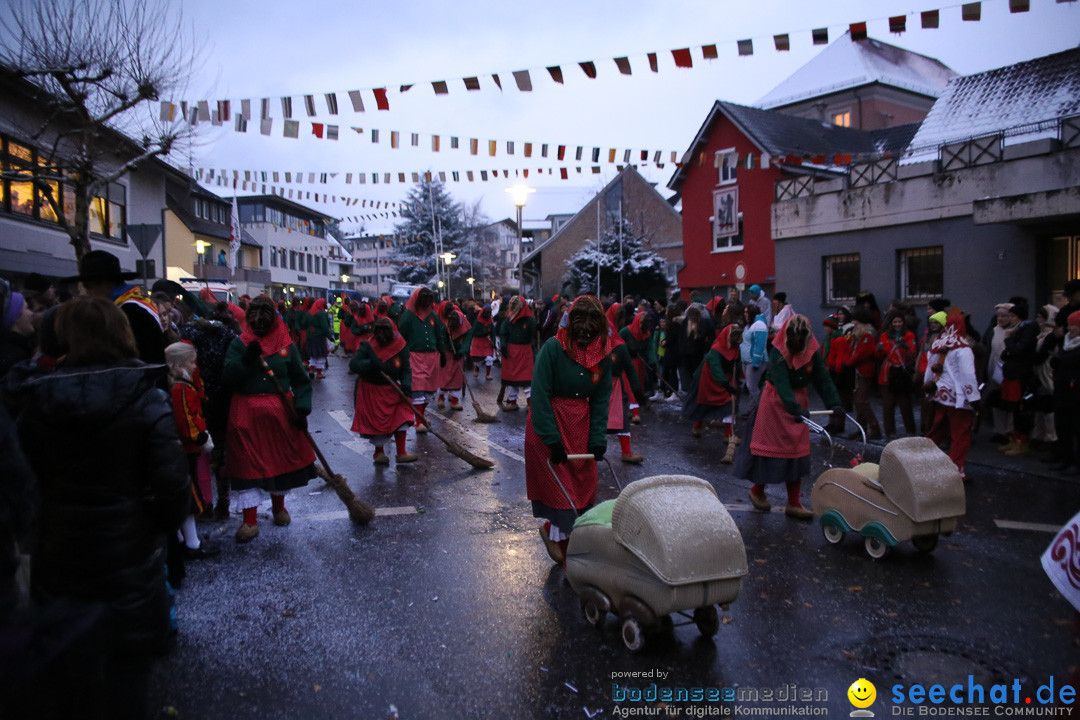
(562, 173)
(556, 73)
(440, 87)
(898, 24)
(526, 172)
(380, 99)
(709, 52)
(930, 19)
(623, 64)
(971, 12)
(818, 160)
(528, 149)
(858, 31)
(821, 36)
(653, 63)
(782, 42)
(472, 83)
(746, 47)
(842, 159)
(317, 129)
(524, 82)
(682, 58)
(793, 159)
(644, 156)
(562, 152)
(589, 68)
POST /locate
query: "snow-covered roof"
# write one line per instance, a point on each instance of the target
(1023, 101)
(848, 63)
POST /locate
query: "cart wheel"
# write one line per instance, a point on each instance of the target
(593, 614)
(632, 635)
(925, 543)
(707, 620)
(833, 534)
(875, 548)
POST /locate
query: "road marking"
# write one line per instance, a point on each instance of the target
(481, 438)
(344, 514)
(1037, 527)
(342, 418)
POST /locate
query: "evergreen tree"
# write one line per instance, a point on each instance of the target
(642, 269)
(433, 223)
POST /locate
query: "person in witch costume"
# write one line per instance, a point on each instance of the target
(572, 389)
(516, 337)
(265, 445)
(424, 335)
(319, 337)
(379, 411)
(638, 338)
(356, 323)
(625, 390)
(452, 376)
(709, 396)
(778, 446)
(481, 347)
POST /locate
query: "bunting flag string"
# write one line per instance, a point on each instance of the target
(523, 79)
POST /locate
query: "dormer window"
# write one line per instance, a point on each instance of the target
(843, 119)
(726, 163)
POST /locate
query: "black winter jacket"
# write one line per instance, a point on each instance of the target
(112, 480)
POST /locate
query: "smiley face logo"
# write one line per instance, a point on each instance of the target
(862, 693)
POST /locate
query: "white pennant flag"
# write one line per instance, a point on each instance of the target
(234, 234)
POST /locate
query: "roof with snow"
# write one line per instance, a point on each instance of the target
(1023, 101)
(778, 134)
(848, 63)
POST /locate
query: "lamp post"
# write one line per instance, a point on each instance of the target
(520, 193)
(447, 257)
(200, 248)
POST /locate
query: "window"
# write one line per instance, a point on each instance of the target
(726, 220)
(727, 163)
(922, 273)
(842, 280)
(309, 259)
(729, 242)
(843, 119)
(324, 266)
(273, 257)
(292, 259)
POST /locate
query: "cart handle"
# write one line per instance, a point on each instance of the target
(581, 456)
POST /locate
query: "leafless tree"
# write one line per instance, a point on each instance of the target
(95, 69)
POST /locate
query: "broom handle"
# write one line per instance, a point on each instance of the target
(293, 415)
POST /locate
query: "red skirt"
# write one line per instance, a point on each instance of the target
(451, 377)
(481, 347)
(639, 368)
(379, 410)
(425, 371)
(579, 476)
(352, 341)
(518, 368)
(778, 433)
(618, 408)
(261, 443)
(711, 392)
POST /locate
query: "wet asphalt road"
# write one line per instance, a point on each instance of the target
(448, 607)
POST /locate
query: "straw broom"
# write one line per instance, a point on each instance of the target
(475, 460)
(359, 511)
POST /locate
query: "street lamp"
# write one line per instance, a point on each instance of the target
(447, 257)
(344, 279)
(200, 248)
(520, 193)
(472, 290)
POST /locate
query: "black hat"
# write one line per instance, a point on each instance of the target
(36, 282)
(169, 287)
(862, 315)
(100, 265)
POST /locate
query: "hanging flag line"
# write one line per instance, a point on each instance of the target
(222, 112)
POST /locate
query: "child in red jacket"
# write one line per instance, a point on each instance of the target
(863, 359)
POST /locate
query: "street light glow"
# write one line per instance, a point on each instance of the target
(447, 257)
(520, 193)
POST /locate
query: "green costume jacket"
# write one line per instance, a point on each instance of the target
(253, 380)
(786, 380)
(556, 375)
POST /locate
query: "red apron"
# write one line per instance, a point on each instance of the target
(260, 440)
(379, 410)
(481, 347)
(519, 366)
(579, 476)
(778, 433)
(451, 377)
(710, 392)
(425, 371)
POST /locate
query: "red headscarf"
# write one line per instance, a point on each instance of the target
(317, 306)
(480, 318)
(445, 308)
(395, 346)
(273, 342)
(597, 350)
(953, 336)
(364, 314)
(807, 353)
(410, 305)
(711, 305)
(524, 312)
(636, 331)
(722, 344)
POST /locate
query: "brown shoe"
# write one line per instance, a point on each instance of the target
(246, 533)
(1020, 449)
(760, 502)
(554, 550)
(632, 458)
(281, 517)
(381, 459)
(405, 458)
(421, 428)
(799, 512)
(698, 430)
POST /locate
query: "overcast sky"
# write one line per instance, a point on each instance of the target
(270, 49)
